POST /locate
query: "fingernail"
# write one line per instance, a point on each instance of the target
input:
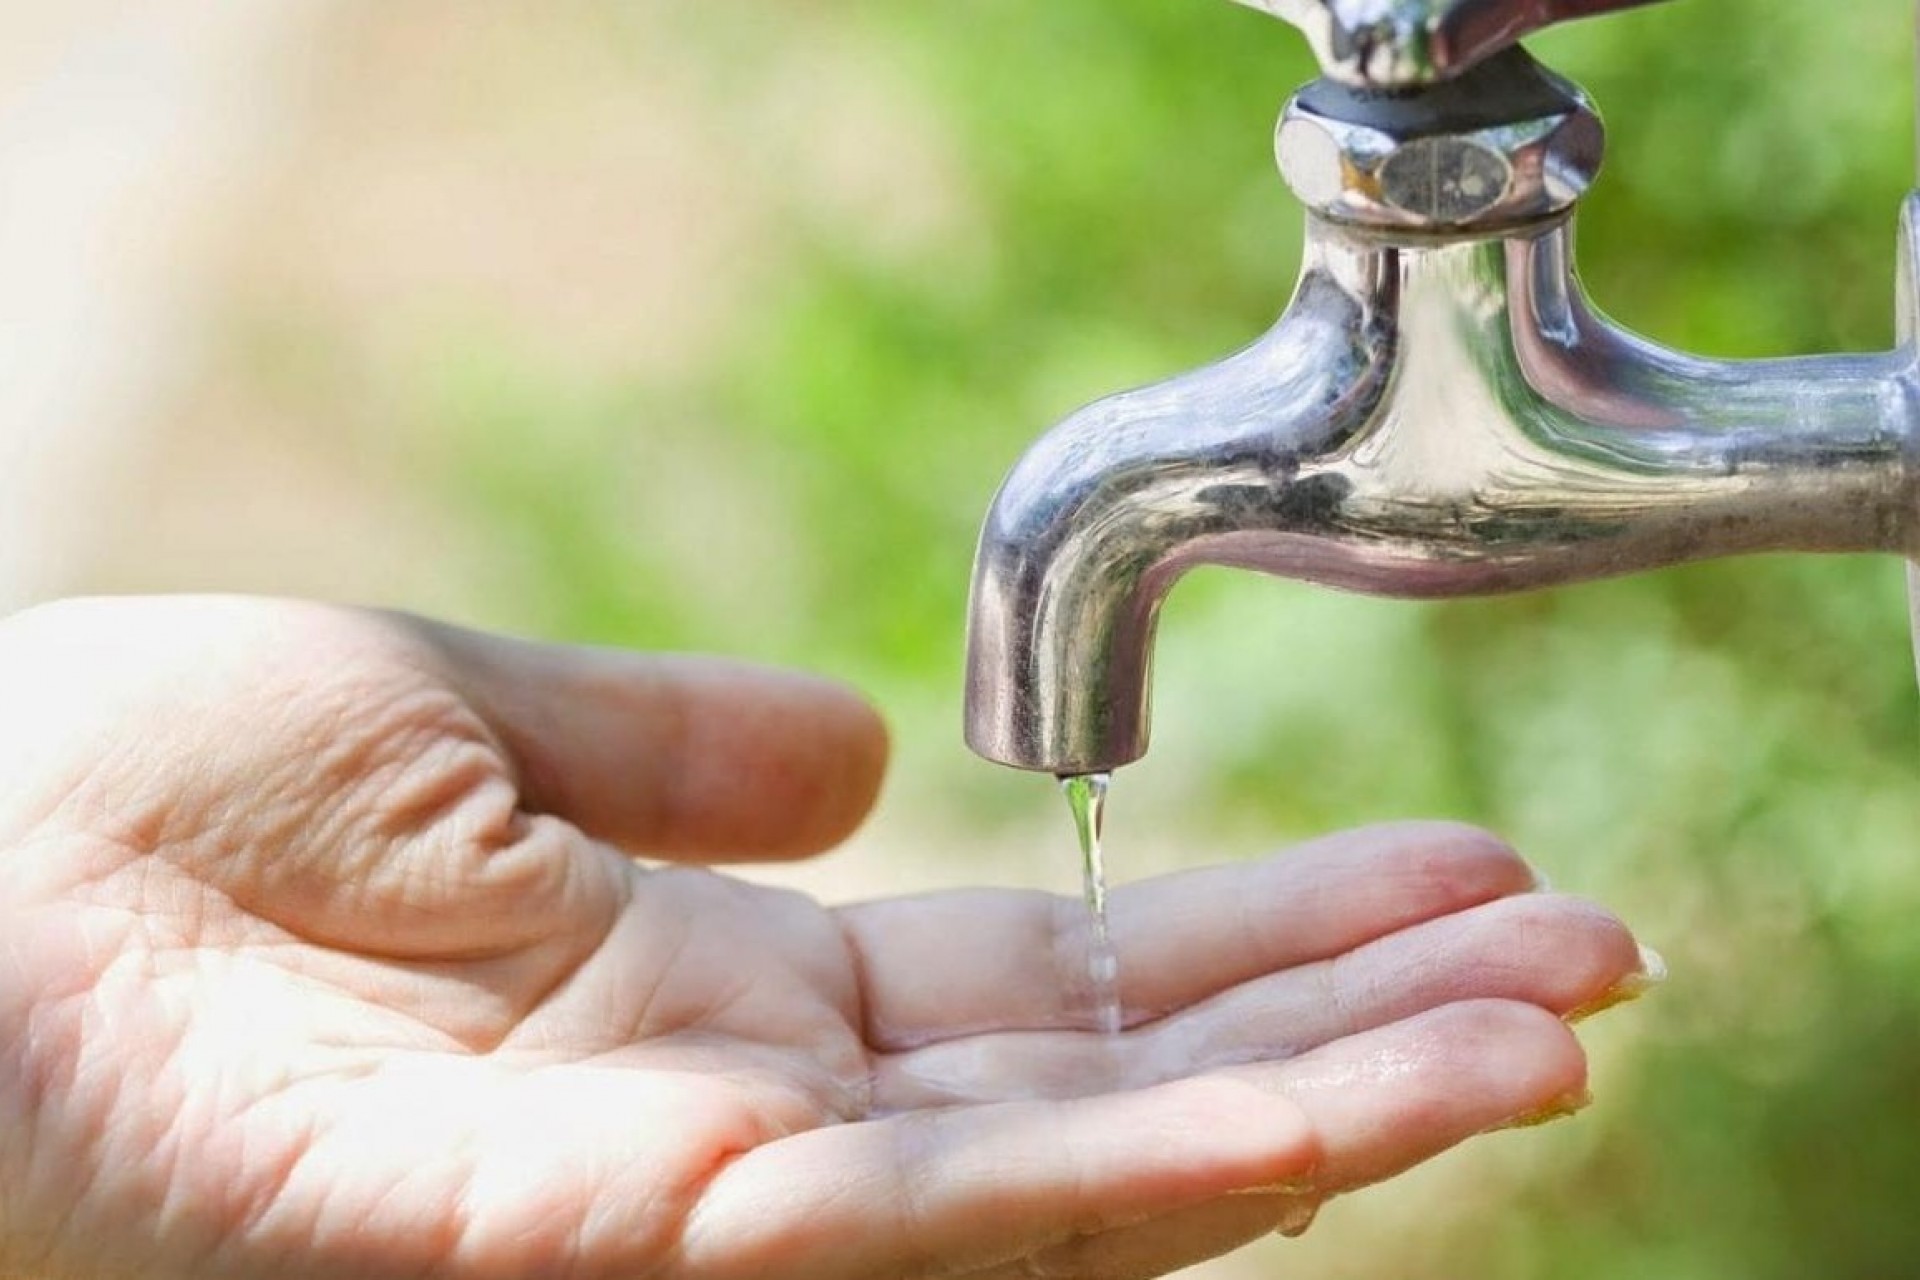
(1653, 966)
(1541, 884)
(1651, 973)
(1297, 1218)
(1561, 1108)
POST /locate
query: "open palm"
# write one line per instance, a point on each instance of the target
(321, 954)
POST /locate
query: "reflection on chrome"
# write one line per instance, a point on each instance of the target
(1426, 420)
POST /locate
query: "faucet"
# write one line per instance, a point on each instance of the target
(1439, 412)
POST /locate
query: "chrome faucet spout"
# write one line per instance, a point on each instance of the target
(1438, 413)
(1430, 417)
(1093, 525)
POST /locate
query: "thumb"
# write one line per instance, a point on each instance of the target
(681, 757)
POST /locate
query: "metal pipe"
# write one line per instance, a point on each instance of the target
(1426, 420)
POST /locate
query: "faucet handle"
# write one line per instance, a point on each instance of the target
(1404, 43)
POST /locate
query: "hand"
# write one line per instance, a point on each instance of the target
(320, 956)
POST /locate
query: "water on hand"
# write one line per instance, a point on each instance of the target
(1087, 797)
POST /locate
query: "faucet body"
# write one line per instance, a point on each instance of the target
(1399, 42)
(1432, 416)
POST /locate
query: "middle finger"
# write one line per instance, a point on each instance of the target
(1560, 953)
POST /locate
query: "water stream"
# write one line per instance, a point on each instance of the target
(1087, 798)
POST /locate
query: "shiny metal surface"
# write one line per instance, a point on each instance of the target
(1396, 43)
(1507, 143)
(1427, 419)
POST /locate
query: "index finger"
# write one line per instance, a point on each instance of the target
(696, 758)
(962, 963)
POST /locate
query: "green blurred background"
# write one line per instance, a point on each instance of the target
(701, 324)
